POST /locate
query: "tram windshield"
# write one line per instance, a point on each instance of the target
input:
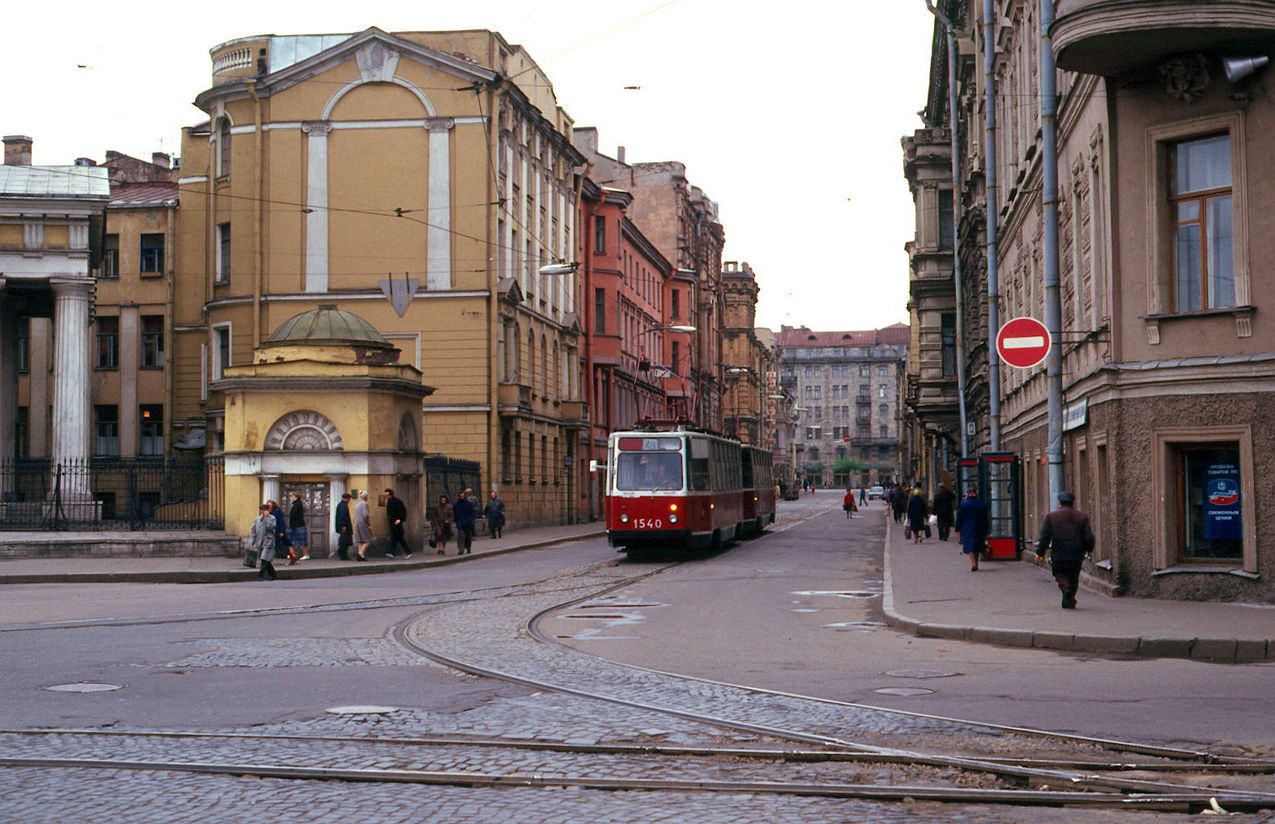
(648, 471)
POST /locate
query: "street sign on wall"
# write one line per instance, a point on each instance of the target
(1022, 342)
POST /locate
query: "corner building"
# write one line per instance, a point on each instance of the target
(1165, 133)
(418, 180)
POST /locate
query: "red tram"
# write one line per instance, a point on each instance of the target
(672, 486)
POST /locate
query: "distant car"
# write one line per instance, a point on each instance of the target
(876, 493)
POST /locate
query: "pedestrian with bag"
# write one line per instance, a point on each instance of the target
(396, 514)
(344, 528)
(973, 524)
(363, 534)
(465, 513)
(494, 512)
(281, 532)
(441, 521)
(262, 539)
(847, 503)
(1066, 535)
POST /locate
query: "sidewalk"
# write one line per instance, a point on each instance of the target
(216, 570)
(930, 591)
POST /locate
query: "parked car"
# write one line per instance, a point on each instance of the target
(876, 493)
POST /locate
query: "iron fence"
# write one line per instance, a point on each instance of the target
(112, 494)
(450, 476)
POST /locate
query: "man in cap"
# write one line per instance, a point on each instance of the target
(1066, 535)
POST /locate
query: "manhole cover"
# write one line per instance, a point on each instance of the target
(83, 687)
(920, 673)
(371, 709)
(904, 691)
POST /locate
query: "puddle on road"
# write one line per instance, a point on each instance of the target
(84, 687)
(906, 692)
(920, 673)
(841, 593)
(857, 626)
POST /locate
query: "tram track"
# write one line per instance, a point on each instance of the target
(1043, 777)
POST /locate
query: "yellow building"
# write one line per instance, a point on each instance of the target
(322, 407)
(419, 180)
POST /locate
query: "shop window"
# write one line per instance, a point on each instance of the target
(1210, 518)
(1205, 477)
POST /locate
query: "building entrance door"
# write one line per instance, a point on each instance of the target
(314, 497)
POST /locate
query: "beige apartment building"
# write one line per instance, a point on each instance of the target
(418, 181)
(1165, 130)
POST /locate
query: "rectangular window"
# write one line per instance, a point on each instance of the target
(221, 351)
(600, 311)
(1208, 487)
(945, 220)
(24, 344)
(599, 235)
(108, 342)
(223, 253)
(1200, 215)
(111, 257)
(152, 430)
(947, 345)
(22, 432)
(152, 254)
(864, 370)
(676, 353)
(676, 308)
(106, 422)
(152, 342)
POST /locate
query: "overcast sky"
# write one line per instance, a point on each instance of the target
(788, 116)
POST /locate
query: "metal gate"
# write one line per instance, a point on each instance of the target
(314, 497)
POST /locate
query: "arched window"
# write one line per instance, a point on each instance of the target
(223, 147)
(545, 367)
(529, 376)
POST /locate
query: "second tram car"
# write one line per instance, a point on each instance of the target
(677, 487)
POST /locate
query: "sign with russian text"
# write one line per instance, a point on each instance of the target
(1222, 501)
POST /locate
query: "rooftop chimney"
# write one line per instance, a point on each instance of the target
(85, 161)
(17, 150)
(161, 159)
(619, 154)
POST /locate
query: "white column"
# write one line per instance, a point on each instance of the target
(71, 420)
(270, 489)
(336, 488)
(440, 203)
(8, 389)
(316, 202)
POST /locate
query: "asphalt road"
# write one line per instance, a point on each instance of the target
(798, 610)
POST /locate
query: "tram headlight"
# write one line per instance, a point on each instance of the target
(672, 518)
(624, 517)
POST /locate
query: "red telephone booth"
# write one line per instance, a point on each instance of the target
(998, 478)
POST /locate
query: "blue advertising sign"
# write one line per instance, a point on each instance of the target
(1222, 501)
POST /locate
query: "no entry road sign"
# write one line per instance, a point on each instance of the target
(1022, 342)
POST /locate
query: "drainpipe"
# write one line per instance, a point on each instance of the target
(956, 235)
(1053, 296)
(493, 292)
(258, 235)
(993, 228)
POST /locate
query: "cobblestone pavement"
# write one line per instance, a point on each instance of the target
(496, 638)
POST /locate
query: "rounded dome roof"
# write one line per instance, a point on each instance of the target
(326, 325)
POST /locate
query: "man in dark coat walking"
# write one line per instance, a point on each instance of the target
(1066, 535)
(344, 528)
(465, 513)
(944, 510)
(396, 514)
(973, 523)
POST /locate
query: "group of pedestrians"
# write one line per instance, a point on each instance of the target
(272, 531)
(1065, 533)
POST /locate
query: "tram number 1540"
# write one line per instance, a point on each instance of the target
(648, 523)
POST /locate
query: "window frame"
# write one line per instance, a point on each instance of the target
(112, 440)
(112, 336)
(151, 354)
(1169, 545)
(110, 257)
(150, 428)
(151, 256)
(1159, 143)
(222, 276)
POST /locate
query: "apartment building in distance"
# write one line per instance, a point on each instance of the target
(847, 388)
(418, 181)
(1165, 130)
